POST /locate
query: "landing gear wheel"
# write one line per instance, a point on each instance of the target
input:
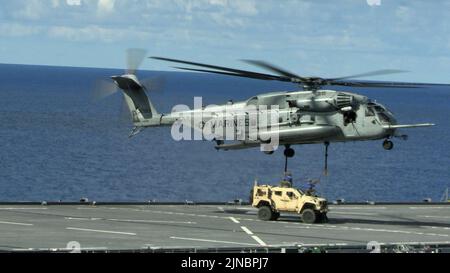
(388, 145)
(289, 152)
(309, 216)
(275, 216)
(265, 213)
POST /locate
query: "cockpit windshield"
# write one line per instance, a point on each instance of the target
(379, 109)
(383, 114)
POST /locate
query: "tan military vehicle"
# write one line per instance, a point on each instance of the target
(271, 200)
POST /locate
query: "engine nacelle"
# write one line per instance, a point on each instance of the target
(325, 103)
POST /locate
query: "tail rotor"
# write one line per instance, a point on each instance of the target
(137, 102)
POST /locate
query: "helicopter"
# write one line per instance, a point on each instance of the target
(312, 115)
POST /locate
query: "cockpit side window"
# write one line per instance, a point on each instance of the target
(369, 112)
(383, 117)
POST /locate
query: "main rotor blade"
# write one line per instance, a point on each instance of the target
(274, 68)
(384, 84)
(308, 82)
(135, 57)
(259, 77)
(371, 73)
(242, 73)
(374, 84)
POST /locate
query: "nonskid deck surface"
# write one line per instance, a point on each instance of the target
(136, 227)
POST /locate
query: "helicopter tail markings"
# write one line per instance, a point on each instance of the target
(139, 104)
(408, 126)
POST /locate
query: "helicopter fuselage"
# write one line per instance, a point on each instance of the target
(303, 117)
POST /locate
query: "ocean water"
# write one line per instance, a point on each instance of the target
(56, 143)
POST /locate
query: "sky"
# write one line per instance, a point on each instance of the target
(327, 38)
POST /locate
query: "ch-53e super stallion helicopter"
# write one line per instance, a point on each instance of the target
(310, 116)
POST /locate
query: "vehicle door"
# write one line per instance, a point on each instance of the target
(292, 202)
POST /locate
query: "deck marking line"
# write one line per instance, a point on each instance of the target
(249, 232)
(151, 221)
(15, 224)
(211, 241)
(261, 242)
(101, 231)
(358, 208)
(234, 220)
(354, 213)
(23, 208)
(434, 216)
(370, 229)
(427, 207)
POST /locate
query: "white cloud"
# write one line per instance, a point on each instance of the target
(222, 3)
(232, 29)
(55, 3)
(31, 10)
(96, 34)
(245, 7)
(18, 30)
(105, 7)
(228, 21)
(73, 2)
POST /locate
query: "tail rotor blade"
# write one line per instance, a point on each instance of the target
(103, 89)
(135, 57)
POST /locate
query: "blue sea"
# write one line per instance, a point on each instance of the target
(57, 143)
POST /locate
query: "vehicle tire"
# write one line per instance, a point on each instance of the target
(275, 216)
(309, 216)
(265, 213)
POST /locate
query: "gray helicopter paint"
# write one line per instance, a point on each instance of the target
(305, 116)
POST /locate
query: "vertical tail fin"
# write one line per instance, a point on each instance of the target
(139, 104)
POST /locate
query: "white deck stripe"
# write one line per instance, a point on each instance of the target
(260, 242)
(344, 228)
(235, 220)
(428, 207)
(15, 224)
(249, 232)
(102, 231)
(152, 221)
(434, 227)
(353, 213)
(434, 216)
(82, 219)
(23, 208)
(329, 244)
(357, 208)
(212, 241)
